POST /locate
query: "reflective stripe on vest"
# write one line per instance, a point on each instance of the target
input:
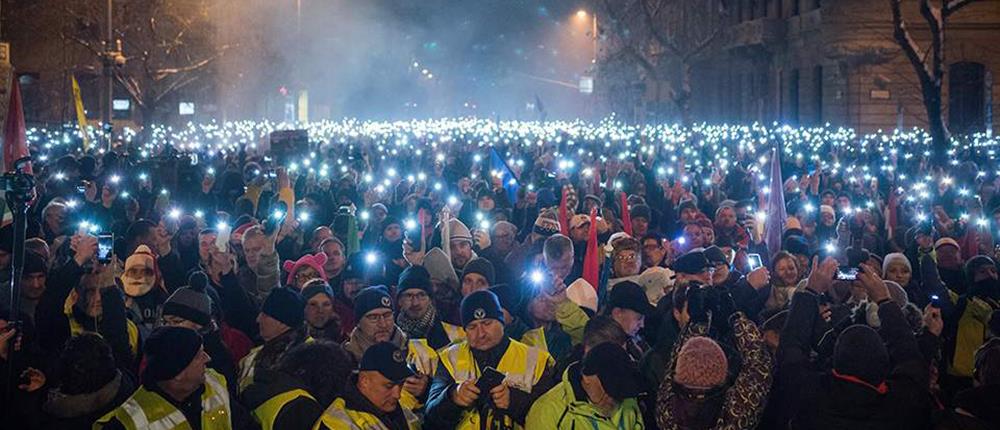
(421, 356)
(148, 410)
(338, 417)
(455, 333)
(246, 368)
(268, 412)
(523, 366)
(536, 338)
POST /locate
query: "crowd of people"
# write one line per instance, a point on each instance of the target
(482, 275)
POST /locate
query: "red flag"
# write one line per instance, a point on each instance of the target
(591, 271)
(563, 215)
(626, 217)
(15, 139)
(891, 218)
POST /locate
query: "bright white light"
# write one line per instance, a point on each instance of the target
(115, 179)
(199, 214)
(537, 276)
(364, 215)
(410, 224)
(60, 176)
(174, 213)
(371, 258)
(303, 216)
(278, 214)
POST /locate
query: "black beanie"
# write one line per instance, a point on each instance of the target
(481, 266)
(641, 211)
(169, 350)
(970, 266)
(371, 298)
(479, 305)
(860, 352)
(285, 306)
(414, 277)
(34, 263)
(315, 287)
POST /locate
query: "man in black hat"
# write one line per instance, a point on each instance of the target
(458, 400)
(599, 392)
(372, 399)
(178, 389)
(280, 321)
(629, 307)
(693, 266)
(418, 317)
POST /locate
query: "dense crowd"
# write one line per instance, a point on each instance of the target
(501, 275)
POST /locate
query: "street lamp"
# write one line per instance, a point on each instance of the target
(582, 14)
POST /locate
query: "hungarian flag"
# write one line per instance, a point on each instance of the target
(15, 140)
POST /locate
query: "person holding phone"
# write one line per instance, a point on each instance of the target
(458, 400)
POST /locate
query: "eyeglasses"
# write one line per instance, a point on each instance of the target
(374, 318)
(417, 295)
(626, 257)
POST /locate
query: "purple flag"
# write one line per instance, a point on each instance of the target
(776, 216)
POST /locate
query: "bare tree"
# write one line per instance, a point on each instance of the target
(168, 45)
(665, 38)
(929, 64)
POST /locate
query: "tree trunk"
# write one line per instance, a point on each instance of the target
(682, 97)
(938, 129)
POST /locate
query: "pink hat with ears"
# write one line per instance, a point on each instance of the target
(316, 261)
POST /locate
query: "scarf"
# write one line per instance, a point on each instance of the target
(417, 328)
(360, 342)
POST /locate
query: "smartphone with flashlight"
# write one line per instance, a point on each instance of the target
(754, 262)
(105, 247)
(278, 213)
(846, 273)
(935, 301)
(223, 231)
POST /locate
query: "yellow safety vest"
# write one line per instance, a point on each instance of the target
(148, 410)
(267, 412)
(246, 368)
(338, 417)
(76, 329)
(248, 363)
(421, 357)
(455, 333)
(523, 365)
(536, 338)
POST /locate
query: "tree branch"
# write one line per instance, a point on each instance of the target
(936, 23)
(952, 6)
(906, 42)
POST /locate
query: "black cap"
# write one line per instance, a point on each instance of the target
(387, 359)
(692, 263)
(371, 298)
(617, 372)
(715, 256)
(482, 304)
(168, 351)
(314, 287)
(629, 295)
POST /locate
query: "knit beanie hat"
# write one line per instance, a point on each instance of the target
(701, 364)
(414, 277)
(975, 263)
(168, 351)
(142, 256)
(946, 241)
(316, 261)
(894, 257)
(34, 263)
(438, 265)
(371, 298)
(480, 266)
(284, 305)
(860, 353)
(458, 231)
(641, 211)
(482, 304)
(897, 294)
(314, 287)
(191, 302)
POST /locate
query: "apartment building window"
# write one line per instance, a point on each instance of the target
(793, 98)
(818, 92)
(969, 92)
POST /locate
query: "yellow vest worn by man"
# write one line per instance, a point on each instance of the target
(148, 410)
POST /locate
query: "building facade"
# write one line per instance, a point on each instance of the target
(813, 62)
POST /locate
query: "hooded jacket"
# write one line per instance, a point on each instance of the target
(566, 406)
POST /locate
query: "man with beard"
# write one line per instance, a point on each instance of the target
(418, 316)
(262, 261)
(373, 306)
(460, 241)
(375, 323)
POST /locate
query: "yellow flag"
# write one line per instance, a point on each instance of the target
(81, 116)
